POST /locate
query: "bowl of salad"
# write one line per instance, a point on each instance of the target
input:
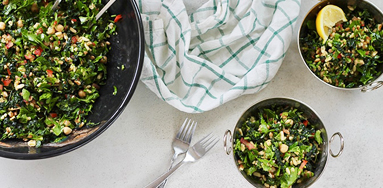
(65, 76)
(340, 42)
(280, 142)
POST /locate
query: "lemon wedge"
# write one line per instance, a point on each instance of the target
(327, 17)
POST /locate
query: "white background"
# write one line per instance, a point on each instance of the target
(137, 147)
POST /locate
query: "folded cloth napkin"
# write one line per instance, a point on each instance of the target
(225, 49)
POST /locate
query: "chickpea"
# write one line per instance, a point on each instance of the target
(104, 59)
(5, 2)
(60, 28)
(81, 94)
(283, 148)
(67, 130)
(2, 26)
(20, 23)
(34, 7)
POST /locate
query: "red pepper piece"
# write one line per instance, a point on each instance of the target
(9, 45)
(117, 18)
(50, 73)
(7, 82)
(247, 144)
(38, 51)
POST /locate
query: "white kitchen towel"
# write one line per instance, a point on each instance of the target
(225, 49)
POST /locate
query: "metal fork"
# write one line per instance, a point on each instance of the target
(181, 142)
(183, 138)
(194, 153)
(56, 4)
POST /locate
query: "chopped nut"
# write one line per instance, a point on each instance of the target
(67, 130)
(51, 31)
(32, 143)
(243, 147)
(72, 30)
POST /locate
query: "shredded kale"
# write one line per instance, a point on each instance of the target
(278, 146)
(52, 64)
(351, 55)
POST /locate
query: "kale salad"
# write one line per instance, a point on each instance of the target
(278, 147)
(350, 57)
(52, 63)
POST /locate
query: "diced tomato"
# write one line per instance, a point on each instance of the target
(303, 164)
(305, 122)
(53, 115)
(9, 45)
(117, 18)
(74, 39)
(40, 30)
(50, 73)
(9, 72)
(55, 23)
(339, 56)
(249, 145)
(1, 87)
(73, 20)
(38, 51)
(7, 82)
(29, 56)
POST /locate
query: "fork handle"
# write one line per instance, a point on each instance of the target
(162, 185)
(164, 176)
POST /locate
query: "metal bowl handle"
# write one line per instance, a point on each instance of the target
(227, 149)
(341, 144)
(372, 86)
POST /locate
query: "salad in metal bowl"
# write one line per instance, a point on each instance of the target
(278, 147)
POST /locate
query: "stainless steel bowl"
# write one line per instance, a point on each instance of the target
(311, 15)
(313, 118)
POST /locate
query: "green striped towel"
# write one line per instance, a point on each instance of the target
(225, 49)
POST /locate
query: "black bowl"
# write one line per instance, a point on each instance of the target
(127, 48)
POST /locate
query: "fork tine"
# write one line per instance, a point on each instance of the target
(186, 130)
(191, 132)
(211, 144)
(206, 139)
(203, 140)
(182, 128)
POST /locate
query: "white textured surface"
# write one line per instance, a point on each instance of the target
(137, 147)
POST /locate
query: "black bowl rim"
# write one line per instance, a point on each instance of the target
(110, 121)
